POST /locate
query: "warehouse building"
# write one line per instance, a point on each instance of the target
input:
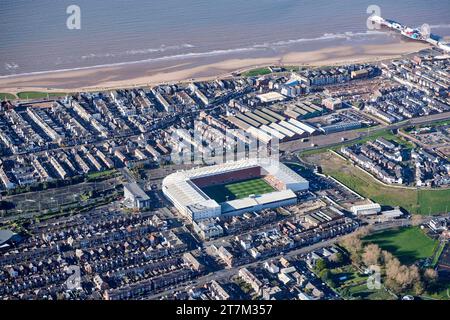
(366, 209)
(271, 97)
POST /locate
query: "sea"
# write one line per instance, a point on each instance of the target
(38, 36)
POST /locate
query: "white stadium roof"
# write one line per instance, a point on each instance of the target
(274, 167)
(187, 195)
(210, 170)
(266, 198)
(283, 173)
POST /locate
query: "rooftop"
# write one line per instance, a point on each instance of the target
(271, 97)
(5, 236)
(258, 200)
(134, 189)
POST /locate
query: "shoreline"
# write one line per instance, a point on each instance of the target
(142, 75)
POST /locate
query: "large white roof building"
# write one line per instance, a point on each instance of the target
(191, 201)
(366, 209)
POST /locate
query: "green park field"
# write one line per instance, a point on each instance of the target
(39, 95)
(257, 72)
(407, 244)
(7, 96)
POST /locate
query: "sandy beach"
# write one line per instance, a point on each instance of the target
(142, 74)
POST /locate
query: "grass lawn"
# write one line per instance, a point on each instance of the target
(362, 292)
(39, 95)
(415, 201)
(438, 253)
(347, 276)
(434, 201)
(101, 174)
(9, 96)
(257, 72)
(352, 285)
(407, 244)
(238, 190)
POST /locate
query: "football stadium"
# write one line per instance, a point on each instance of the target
(233, 188)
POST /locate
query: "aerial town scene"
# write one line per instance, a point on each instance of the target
(288, 179)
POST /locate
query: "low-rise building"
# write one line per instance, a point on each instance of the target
(135, 197)
(366, 209)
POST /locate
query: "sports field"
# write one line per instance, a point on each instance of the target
(238, 190)
(407, 244)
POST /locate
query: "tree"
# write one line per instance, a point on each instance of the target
(5, 205)
(431, 279)
(418, 288)
(430, 275)
(401, 278)
(337, 258)
(325, 274)
(392, 268)
(320, 265)
(363, 232)
(354, 245)
(392, 285)
(371, 255)
(327, 277)
(386, 257)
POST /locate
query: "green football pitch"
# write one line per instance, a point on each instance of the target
(238, 190)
